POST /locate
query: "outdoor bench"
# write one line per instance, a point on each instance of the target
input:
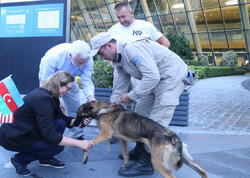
(180, 117)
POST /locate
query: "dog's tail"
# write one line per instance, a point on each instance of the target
(189, 161)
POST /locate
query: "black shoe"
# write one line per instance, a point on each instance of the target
(20, 169)
(139, 168)
(133, 155)
(53, 162)
(80, 138)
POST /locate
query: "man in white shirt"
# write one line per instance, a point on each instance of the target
(74, 58)
(130, 26)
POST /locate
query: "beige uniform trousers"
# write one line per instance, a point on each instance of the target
(160, 105)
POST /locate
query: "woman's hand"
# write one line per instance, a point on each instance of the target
(85, 122)
(86, 144)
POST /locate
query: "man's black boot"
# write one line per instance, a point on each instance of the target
(135, 152)
(141, 167)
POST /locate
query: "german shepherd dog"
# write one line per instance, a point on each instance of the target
(166, 147)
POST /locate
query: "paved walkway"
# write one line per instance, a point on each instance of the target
(220, 105)
(218, 137)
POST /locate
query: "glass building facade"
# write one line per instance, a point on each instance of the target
(211, 26)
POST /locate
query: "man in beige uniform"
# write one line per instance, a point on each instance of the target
(128, 25)
(161, 73)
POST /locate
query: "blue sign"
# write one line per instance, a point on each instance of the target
(32, 20)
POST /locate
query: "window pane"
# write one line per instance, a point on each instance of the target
(209, 3)
(228, 2)
(90, 3)
(195, 4)
(105, 14)
(199, 21)
(156, 22)
(162, 7)
(85, 34)
(219, 42)
(101, 3)
(138, 10)
(77, 19)
(214, 19)
(182, 22)
(167, 22)
(151, 7)
(190, 39)
(248, 7)
(232, 17)
(109, 24)
(176, 6)
(205, 45)
(236, 40)
(95, 15)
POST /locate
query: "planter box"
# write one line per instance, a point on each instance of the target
(180, 117)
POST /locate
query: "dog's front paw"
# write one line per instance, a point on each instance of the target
(84, 161)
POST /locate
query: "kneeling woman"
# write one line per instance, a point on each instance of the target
(37, 131)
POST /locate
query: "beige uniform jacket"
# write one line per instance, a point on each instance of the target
(149, 62)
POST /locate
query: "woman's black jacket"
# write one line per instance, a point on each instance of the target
(33, 121)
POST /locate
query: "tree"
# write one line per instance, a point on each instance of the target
(180, 45)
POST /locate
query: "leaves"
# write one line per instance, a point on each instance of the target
(180, 45)
(102, 74)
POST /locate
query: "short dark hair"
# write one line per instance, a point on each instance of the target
(112, 40)
(119, 6)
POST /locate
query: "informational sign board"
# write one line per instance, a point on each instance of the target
(28, 30)
(32, 20)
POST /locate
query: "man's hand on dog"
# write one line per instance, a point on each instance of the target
(125, 98)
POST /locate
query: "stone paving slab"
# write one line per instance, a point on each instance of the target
(220, 105)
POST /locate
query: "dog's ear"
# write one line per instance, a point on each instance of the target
(88, 108)
(117, 107)
(83, 110)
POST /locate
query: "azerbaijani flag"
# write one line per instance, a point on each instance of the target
(10, 98)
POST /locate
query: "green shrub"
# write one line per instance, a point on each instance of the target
(180, 45)
(102, 75)
(229, 59)
(203, 59)
(193, 63)
(215, 71)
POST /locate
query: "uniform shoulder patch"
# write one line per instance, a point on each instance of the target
(137, 60)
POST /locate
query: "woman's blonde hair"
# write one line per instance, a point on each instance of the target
(58, 79)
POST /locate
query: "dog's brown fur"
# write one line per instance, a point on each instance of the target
(166, 148)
